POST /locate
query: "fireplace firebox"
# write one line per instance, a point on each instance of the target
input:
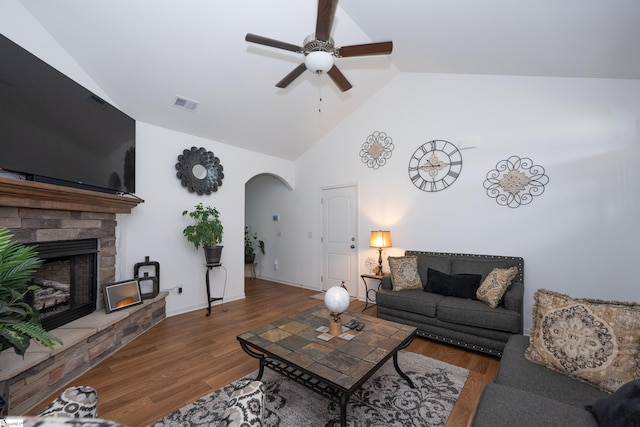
(67, 281)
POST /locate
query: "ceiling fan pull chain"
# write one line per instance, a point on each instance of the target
(319, 95)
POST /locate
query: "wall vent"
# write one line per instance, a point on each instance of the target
(185, 103)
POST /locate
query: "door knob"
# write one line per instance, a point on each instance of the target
(353, 246)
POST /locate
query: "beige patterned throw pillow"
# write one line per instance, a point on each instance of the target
(590, 340)
(404, 272)
(495, 285)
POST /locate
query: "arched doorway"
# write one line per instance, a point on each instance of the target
(266, 198)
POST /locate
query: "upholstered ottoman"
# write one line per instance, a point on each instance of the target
(74, 402)
(245, 406)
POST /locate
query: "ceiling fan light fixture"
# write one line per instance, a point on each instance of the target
(318, 62)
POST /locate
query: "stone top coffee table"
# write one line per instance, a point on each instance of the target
(335, 368)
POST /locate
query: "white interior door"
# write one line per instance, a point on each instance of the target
(339, 225)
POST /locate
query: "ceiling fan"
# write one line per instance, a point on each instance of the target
(319, 49)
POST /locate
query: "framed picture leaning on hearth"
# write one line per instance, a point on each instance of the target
(121, 295)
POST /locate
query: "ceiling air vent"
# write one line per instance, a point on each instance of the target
(185, 103)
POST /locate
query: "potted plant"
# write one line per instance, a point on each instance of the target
(19, 322)
(250, 245)
(206, 232)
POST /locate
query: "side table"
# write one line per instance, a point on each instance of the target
(367, 299)
(209, 267)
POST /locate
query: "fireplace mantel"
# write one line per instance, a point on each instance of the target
(37, 195)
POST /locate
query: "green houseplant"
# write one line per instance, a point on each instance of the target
(251, 242)
(19, 322)
(206, 232)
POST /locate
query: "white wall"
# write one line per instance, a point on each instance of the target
(154, 228)
(580, 237)
(17, 24)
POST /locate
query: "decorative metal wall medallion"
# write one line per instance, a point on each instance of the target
(199, 170)
(376, 150)
(515, 181)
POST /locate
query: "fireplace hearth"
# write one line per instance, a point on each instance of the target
(67, 281)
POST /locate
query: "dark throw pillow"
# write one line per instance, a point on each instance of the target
(621, 409)
(453, 285)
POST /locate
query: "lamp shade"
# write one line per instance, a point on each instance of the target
(336, 299)
(380, 239)
(318, 61)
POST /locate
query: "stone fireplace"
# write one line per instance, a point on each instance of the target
(76, 232)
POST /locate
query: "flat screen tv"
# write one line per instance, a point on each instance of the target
(54, 130)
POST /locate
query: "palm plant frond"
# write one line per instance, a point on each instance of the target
(19, 322)
(35, 332)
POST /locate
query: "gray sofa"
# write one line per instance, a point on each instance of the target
(463, 322)
(526, 394)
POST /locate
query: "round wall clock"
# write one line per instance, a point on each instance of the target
(435, 165)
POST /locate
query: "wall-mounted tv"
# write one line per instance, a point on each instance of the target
(54, 130)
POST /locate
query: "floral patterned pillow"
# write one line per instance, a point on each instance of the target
(590, 340)
(404, 272)
(495, 285)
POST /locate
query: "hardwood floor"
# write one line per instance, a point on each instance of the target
(190, 355)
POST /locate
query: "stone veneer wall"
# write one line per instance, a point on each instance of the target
(25, 382)
(45, 225)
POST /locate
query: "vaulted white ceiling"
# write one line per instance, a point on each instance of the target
(144, 53)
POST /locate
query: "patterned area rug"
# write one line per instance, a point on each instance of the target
(384, 400)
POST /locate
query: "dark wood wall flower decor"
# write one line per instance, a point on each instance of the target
(515, 181)
(376, 150)
(199, 170)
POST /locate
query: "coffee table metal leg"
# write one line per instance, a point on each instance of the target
(258, 356)
(395, 363)
(344, 399)
(399, 371)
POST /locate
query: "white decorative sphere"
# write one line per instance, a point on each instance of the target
(337, 299)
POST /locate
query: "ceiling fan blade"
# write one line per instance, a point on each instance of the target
(326, 13)
(339, 79)
(382, 48)
(291, 76)
(272, 43)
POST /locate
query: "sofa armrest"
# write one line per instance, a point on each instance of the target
(386, 283)
(514, 297)
(500, 406)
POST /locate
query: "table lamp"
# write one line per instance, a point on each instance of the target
(380, 239)
(337, 301)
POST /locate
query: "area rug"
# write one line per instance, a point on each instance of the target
(384, 400)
